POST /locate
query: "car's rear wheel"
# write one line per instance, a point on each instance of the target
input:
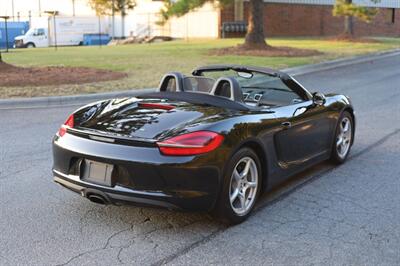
(343, 138)
(242, 183)
(30, 45)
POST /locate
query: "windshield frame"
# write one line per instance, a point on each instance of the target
(290, 82)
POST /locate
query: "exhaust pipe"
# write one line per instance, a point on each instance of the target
(97, 199)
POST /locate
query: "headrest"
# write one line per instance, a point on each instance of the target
(228, 87)
(172, 82)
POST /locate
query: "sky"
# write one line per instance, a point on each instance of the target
(24, 6)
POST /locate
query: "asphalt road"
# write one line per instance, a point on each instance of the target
(328, 215)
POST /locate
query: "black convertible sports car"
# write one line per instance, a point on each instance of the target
(210, 141)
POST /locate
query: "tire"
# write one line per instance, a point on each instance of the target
(343, 138)
(246, 187)
(30, 45)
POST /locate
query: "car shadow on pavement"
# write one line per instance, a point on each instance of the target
(130, 233)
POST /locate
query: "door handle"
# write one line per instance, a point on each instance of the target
(286, 124)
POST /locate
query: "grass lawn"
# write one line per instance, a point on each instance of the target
(146, 63)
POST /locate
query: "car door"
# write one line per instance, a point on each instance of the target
(304, 132)
(41, 38)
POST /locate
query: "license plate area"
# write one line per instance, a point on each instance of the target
(97, 173)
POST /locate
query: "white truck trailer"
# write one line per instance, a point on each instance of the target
(60, 31)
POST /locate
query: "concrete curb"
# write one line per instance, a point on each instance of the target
(302, 70)
(73, 100)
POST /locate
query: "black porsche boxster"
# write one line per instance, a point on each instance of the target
(210, 141)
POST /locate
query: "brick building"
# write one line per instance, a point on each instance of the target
(314, 18)
(281, 18)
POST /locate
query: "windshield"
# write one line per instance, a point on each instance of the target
(260, 88)
(30, 32)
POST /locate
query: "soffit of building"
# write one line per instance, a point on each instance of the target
(382, 3)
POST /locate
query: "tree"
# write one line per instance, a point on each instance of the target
(107, 7)
(349, 10)
(110, 7)
(255, 37)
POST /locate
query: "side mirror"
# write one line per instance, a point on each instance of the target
(318, 98)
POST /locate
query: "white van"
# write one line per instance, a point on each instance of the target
(34, 37)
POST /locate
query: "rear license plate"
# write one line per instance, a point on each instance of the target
(98, 173)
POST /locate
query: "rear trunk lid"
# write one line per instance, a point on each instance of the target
(141, 119)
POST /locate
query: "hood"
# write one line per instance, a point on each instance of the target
(145, 119)
(19, 37)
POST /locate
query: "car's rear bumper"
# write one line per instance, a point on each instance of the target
(144, 176)
(117, 195)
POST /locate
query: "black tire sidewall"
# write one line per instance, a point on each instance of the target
(223, 209)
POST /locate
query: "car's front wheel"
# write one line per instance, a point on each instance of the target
(343, 138)
(242, 183)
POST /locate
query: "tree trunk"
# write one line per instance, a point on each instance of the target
(1, 59)
(122, 25)
(123, 14)
(348, 24)
(255, 34)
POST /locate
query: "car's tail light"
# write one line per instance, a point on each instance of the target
(68, 124)
(191, 143)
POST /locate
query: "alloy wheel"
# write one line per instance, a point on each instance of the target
(343, 139)
(243, 186)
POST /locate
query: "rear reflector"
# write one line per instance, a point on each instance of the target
(156, 106)
(68, 124)
(191, 143)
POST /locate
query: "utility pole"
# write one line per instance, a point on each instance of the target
(12, 9)
(6, 29)
(53, 13)
(123, 19)
(73, 8)
(40, 9)
(6, 36)
(99, 31)
(55, 30)
(148, 25)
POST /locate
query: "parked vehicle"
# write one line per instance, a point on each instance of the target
(201, 143)
(14, 29)
(65, 31)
